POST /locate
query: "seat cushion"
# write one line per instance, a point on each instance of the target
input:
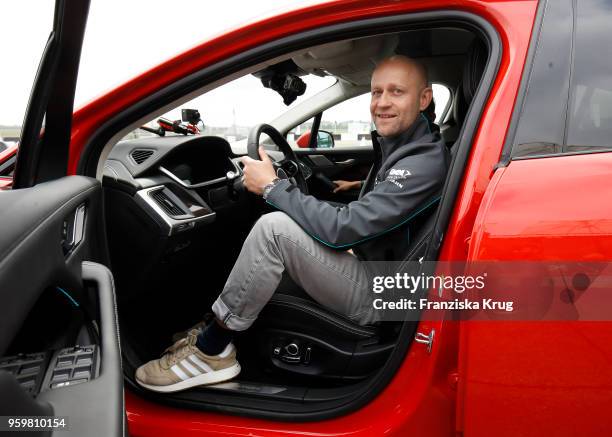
(292, 308)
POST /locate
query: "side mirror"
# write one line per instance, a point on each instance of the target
(325, 140)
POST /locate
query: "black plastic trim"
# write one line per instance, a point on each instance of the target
(506, 155)
(45, 157)
(560, 154)
(571, 70)
(464, 144)
(314, 131)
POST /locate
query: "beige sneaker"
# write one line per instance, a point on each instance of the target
(183, 365)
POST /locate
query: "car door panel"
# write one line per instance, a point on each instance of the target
(559, 368)
(53, 238)
(107, 418)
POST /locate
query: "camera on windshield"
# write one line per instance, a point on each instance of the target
(288, 85)
(191, 116)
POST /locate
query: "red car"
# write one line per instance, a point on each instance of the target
(528, 123)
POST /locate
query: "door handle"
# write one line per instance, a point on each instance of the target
(346, 162)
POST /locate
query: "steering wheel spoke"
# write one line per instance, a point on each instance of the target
(289, 166)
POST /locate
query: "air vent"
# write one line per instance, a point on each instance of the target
(140, 155)
(166, 203)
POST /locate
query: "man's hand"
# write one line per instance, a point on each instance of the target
(347, 185)
(258, 174)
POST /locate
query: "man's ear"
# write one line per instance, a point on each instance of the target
(425, 99)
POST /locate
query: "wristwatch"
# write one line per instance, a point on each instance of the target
(269, 187)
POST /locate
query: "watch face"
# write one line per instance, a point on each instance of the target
(267, 190)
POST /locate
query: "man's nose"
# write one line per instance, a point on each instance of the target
(384, 100)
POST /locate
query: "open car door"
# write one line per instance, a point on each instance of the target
(60, 364)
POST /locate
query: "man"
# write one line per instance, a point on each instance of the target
(310, 239)
(429, 112)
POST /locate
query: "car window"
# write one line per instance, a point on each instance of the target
(541, 127)
(589, 124)
(231, 110)
(441, 97)
(349, 122)
(568, 102)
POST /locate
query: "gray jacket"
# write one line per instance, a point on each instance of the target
(406, 178)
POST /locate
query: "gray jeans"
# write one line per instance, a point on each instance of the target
(335, 279)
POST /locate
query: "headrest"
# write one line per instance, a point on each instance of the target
(474, 66)
(473, 69)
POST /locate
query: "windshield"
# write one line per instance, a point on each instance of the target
(231, 110)
(164, 29)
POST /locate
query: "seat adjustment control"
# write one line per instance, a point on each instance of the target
(292, 349)
(293, 353)
(73, 365)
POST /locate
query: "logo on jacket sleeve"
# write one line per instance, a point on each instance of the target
(399, 173)
(396, 175)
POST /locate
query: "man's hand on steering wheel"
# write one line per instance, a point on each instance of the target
(288, 167)
(258, 174)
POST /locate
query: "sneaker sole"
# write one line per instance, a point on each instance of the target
(203, 379)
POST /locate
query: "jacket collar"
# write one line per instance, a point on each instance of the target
(387, 145)
(389, 150)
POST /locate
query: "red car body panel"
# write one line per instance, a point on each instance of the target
(7, 153)
(7, 182)
(421, 398)
(304, 140)
(531, 378)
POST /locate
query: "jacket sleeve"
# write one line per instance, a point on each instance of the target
(411, 185)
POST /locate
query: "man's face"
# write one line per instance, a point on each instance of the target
(398, 95)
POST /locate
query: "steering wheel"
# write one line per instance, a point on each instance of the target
(287, 168)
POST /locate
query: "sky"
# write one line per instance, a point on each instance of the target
(113, 51)
(125, 38)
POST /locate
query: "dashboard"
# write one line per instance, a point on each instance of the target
(172, 204)
(175, 203)
(177, 180)
(182, 182)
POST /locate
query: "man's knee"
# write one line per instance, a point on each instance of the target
(274, 223)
